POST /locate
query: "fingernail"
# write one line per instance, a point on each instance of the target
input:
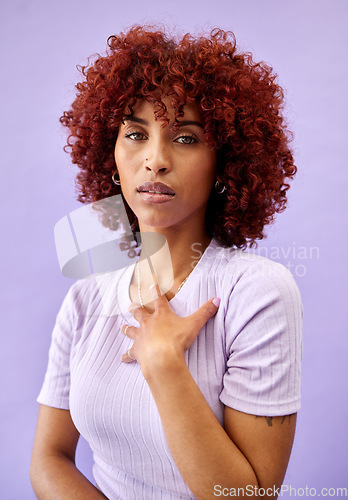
(216, 301)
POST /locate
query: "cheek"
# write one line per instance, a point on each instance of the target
(207, 170)
(123, 164)
(118, 153)
(126, 159)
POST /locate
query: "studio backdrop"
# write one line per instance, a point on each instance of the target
(305, 41)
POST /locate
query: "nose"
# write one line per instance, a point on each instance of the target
(157, 158)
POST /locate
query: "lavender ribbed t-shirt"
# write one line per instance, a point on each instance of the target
(247, 357)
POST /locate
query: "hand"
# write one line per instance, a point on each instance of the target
(163, 334)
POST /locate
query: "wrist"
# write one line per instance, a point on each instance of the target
(163, 365)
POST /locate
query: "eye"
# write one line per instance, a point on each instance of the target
(186, 139)
(136, 136)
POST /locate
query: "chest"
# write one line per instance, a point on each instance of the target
(110, 401)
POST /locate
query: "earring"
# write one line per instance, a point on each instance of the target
(217, 187)
(117, 182)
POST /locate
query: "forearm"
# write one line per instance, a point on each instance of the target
(202, 450)
(57, 478)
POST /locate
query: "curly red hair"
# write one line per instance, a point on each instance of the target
(241, 108)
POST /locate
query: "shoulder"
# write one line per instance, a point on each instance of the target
(262, 273)
(246, 275)
(94, 295)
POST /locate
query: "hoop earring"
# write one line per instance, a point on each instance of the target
(117, 182)
(217, 186)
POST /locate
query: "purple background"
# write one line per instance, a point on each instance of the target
(41, 42)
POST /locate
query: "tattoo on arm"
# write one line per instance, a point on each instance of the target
(269, 420)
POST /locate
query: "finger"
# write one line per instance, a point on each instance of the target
(128, 357)
(139, 313)
(205, 312)
(157, 292)
(161, 302)
(154, 277)
(129, 331)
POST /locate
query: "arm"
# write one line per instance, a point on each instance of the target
(248, 452)
(53, 472)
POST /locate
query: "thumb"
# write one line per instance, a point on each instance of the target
(205, 312)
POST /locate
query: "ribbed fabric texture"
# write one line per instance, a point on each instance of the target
(247, 356)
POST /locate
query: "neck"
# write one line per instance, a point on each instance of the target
(172, 263)
(179, 253)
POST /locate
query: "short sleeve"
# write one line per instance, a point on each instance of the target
(56, 386)
(263, 325)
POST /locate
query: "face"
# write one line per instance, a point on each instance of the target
(166, 178)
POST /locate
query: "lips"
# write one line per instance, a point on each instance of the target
(155, 188)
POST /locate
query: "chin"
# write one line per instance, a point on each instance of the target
(156, 222)
(156, 225)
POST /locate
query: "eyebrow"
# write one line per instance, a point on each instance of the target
(136, 119)
(191, 122)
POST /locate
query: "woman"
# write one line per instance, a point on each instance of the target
(192, 392)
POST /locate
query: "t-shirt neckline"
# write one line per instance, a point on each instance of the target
(124, 299)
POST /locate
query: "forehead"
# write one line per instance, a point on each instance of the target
(148, 109)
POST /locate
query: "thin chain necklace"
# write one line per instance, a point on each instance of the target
(139, 285)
